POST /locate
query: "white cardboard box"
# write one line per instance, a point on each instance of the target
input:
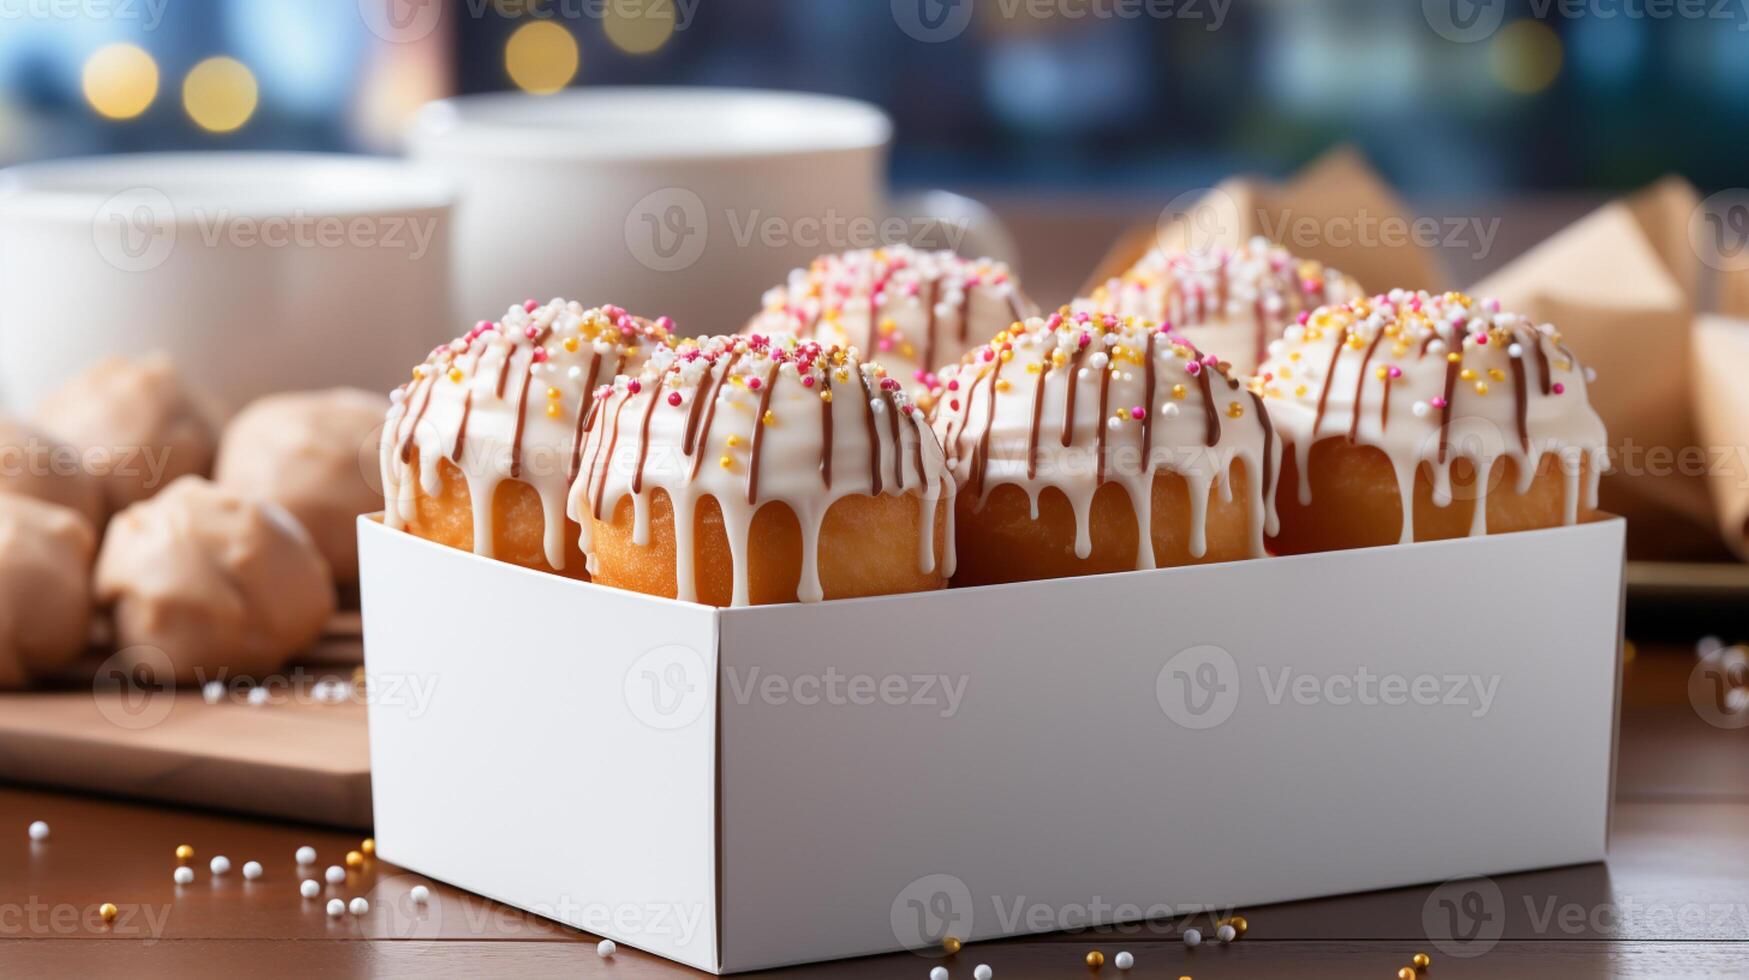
(747, 788)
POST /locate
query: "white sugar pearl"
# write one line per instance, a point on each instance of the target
(420, 894)
(1124, 960)
(606, 948)
(306, 855)
(1193, 937)
(310, 888)
(336, 908)
(257, 696)
(359, 906)
(1169, 410)
(877, 406)
(1420, 409)
(251, 870)
(939, 973)
(982, 972)
(39, 830)
(335, 874)
(1226, 934)
(1515, 350)
(219, 864)
(212, 692)
(184, 876)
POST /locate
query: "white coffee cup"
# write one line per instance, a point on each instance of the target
(677, 201)
(256, 272)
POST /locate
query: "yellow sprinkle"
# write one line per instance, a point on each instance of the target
(553, 410)
(571, 344)
(1399, 350)
(1381, 373)
(554, 394)
(888, 326)
(826, 396)
(1235, 410)
(1454, 357)
(1002, 384)
(108, 911)
(1294, 356)
(726, 463)
(733, 441)
(1466, 375)
(1481, 387)
(455, 374)
(1034, 368)
(184, 852)
(769, 418)
(1008, 355)
(418, 373)
(907, 350)
(1178, 392)
(1300, 391)
(1497, 374)
(841, 375)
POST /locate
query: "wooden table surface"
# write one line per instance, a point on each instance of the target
(1672, 901)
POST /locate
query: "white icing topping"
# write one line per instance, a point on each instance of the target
(505, 402)
(911, 311)
(747, 421)
(1077, 401)
(1228, 303)
(1430, 380)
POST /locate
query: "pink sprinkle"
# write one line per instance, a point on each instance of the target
(920, 376)
(532, 332)
(529, 306)
(753, 384)
(1394, 371)
(1558, 388)
(906, 408)
(889, 384)
(1138, 413)
(1481, 340)
(674, 398)
(1436, 401)
(633, 386)
(954, 403)
(1211, 360)
(1086, 339)
(1303, 318)
(540, 355)
(665, 323)
(885, 344)
(807, 381)
(953, 386)
(1494, 306)
(1194, 368)
(989, 354)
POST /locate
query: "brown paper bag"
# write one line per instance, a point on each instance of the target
(1721, 361)
(1338, 210)
(1619, 285)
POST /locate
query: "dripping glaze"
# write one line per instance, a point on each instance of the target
(1430, 380)
(747, 421)
(1078, 400)
(506, 401)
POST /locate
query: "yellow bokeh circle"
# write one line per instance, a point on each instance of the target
(120, 81)
(541, 57)
(639, 26)
(220, 94)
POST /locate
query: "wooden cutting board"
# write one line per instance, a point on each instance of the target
(293, 758)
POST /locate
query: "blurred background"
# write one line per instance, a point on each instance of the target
(1081, 97)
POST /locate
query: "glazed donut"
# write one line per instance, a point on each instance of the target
(1229, 303)
(1069, 434)
(753, 470)
(906, 309)
(480, 447)
(1468, 419)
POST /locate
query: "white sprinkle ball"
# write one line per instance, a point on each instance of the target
(39, 831)
(359, 906)
(606, 948)
(420, 894)
(219, 864)
(252, 870)
(1193, 937)
(306, 855)
(939, 973)
(335, 874)
(1124, 960)
(1226, 934)
(1169, 410)
(257, 696)
(212, 692)
(1420, 409)
(310, 888)
(982, 972)
(336, 908)
(1515, 350)
(184, 875)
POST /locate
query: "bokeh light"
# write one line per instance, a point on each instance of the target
(639, 26)
(219, 94)
(120, 81)
(541, 57)
(1525, 57)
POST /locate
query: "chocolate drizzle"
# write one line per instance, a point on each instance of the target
(826, 429)
(1069, 399)
(413, 427)
(1038, 404)
(1147, 404)
(981, 455)
(892, 414)
(1211, 414)
(521, 422)
(705, 388)
(1360, 387)
(758, 433)
(461, 429)
(1451, 377)
(584, 414)
(874, 436)
(1100, 429)
(1329, 379)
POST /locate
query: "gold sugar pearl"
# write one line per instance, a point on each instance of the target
(354, 859)
(1002, 384)
(1406, 973)
(1481, 387)
(726, 463)
(455, 374)
(1497, 374)
(1466, 375)
(1235, 410)
(1300, 391)
(108, 911)
(184, 852)
(369, 846)
(1095, 959)
(554, 393)
(769, 418)
(1238, 923)
(1421, 960)
(732, 441)
(826, 396)
(1178, 392)
(1293, 356)
(553, 410)
(571, 345)
(951, 944)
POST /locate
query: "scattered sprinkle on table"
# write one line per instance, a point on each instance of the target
(310, 888)
(336, 908)
(1193, 937)
(212, 692)
(184, 852)
(359, 906)
(39, 831)
(1226, 934)
(951, 944)
(368, 845)
(939, 973)
(354, 859)
(108, 911)
(606, 948)
(420, 894)
(306, 855)
(252, 870)
(335, 874)
(982, 972)
(1096, 959)
(1421, 961)
(184, 875)
(1124, 960)
(219, 864)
